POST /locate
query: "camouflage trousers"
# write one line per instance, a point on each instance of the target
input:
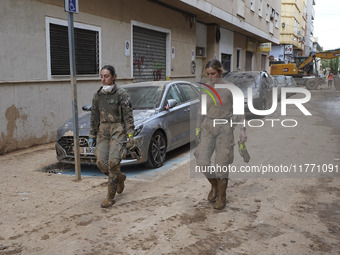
(218, 140)
(110, 148)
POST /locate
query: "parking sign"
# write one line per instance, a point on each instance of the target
(71, 6)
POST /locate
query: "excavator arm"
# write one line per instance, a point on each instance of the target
(323, 55)
(328, 54)
(303, 68)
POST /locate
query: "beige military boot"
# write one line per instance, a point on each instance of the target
(121, 186)
(213, 192)
(111, 192)
(221, 200)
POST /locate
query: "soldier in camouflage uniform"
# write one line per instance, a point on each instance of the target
(218, 139)
(111, 123)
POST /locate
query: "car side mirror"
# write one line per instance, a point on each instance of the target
(171, 103)
(87, 107)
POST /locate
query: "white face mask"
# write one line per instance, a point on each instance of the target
(107, 88)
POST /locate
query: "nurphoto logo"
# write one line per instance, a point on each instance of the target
(239, 99)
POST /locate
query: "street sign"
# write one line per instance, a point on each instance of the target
(71, 6)
(264, 47)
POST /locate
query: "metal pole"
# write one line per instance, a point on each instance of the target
(73, 73)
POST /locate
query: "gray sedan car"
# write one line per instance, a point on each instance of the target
(279, 82)
(284, 81)
(163, 112)
(261, 84)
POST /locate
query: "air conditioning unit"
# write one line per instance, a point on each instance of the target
(301, 39)
(200, 51)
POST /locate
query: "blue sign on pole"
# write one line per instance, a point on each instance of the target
(71, 6)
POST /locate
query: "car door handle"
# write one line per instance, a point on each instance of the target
(187, 110)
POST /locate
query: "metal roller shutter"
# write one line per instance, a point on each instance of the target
(149, 55)
(86, 50)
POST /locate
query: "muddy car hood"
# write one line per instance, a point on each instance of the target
(84, 126)
(140, 116)
(84, 122)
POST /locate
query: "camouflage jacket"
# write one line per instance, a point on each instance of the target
(111, 107)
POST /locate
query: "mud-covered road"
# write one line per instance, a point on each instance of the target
(168, 213)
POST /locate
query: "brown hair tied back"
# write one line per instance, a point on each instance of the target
(110, 68)
(215, 64)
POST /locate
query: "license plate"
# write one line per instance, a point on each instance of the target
(87, 150)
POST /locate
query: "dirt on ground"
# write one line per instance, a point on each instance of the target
(168, 213)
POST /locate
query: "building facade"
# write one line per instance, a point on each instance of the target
(296, 31)
(310, 27)
(142, 39)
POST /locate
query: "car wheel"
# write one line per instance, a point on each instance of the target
(311, 84)
(157, 150)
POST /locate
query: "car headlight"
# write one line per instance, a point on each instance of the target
(60, 133)
(138, 130)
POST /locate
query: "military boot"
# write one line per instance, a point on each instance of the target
(111, 192)
(213, 192)
(121, 186)
(221, 200)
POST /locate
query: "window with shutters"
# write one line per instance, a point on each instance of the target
(276, 20)
(238, 59)
(267, 12)
(87, 48)
(252, 5)
(260, 7)
(240, 8)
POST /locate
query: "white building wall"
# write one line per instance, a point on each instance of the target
(309, 26)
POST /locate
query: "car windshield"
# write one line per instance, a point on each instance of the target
(242, 80)
(280, 79)
(145, 97)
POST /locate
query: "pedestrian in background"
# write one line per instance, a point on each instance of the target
(218, 139)
(110, 125)
(330, 80)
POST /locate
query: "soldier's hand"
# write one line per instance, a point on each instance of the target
(198, 135)
(198, 131)
(243, 135)
(243, 151)
(132, 143)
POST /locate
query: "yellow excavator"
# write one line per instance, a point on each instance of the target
(302, 69)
